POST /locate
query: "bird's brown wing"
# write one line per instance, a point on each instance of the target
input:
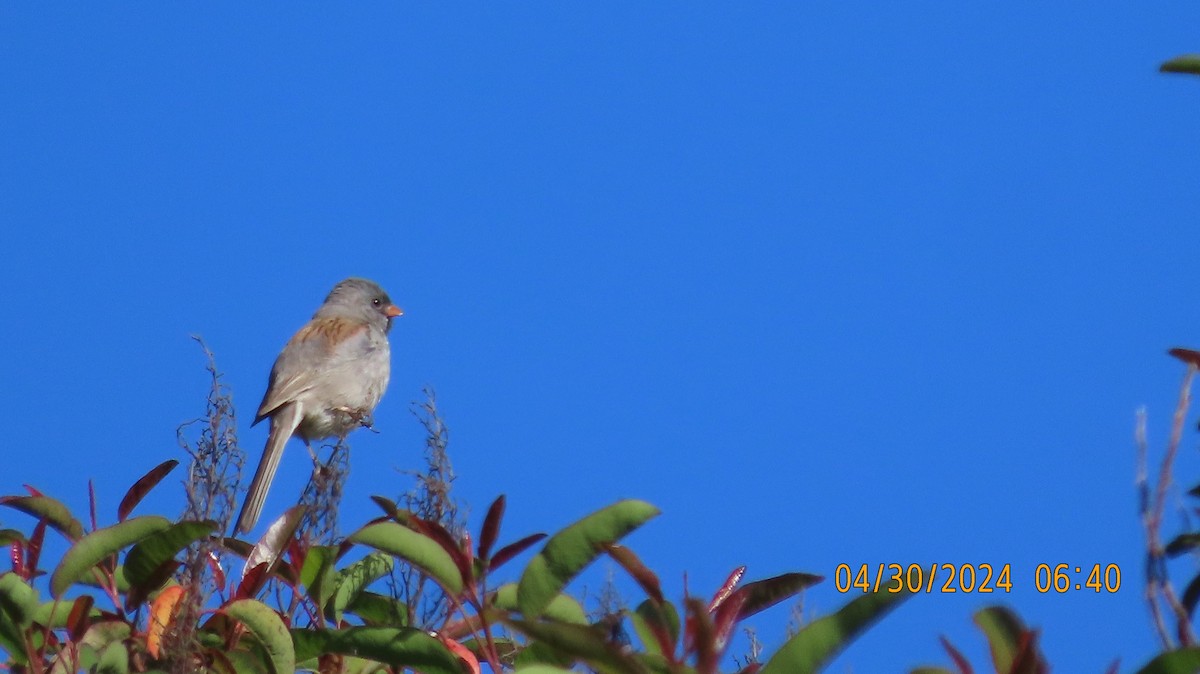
(319, 347)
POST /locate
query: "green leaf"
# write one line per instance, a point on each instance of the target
(573, 548)
(352, 580)
(246, 662)
(118, 576)
(583, 642)
(821, 640)
(151, 552)
(316, 576)
(379, 610)
(54, 614)
(18, 602)
(101, 634)
(114, 659)
(542, 669)
(1188, 64)
(349, 665)
(1182, 661)
(52, 510)
(563, 608)
(10, 536)
(1182, 543)
(82, 660)
(538, 653)
(1003, 630)
(397, 647)
(353, 665)
(93, 548)
(265, 624)
(650, 618)
(422, 551)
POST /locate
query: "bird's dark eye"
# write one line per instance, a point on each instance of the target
(375, 301)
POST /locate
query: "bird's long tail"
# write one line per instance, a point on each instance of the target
(284, 421)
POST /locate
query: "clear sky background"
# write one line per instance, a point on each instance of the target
(826, 282)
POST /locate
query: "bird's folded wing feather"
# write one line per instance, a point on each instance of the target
(315, 350)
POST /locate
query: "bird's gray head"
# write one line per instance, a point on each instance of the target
(361, 299)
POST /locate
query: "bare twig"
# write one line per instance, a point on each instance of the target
(430, 500)
(1152, 575)
(322, 494)
(1153, 506)
(213, 475)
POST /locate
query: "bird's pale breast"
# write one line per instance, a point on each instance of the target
(354, 379)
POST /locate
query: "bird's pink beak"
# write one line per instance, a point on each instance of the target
(393, 311)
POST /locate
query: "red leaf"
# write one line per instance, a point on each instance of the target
(727, 588)
(465, 545)
(725, 619)
(32, 491)
(1186, 355)
(964, 665)
(698, 636)
(461, 627)
(92, 503)
(214, 565)
(656, 620)
(511, 550)
(15, 553)
(78, 620)
(1027, 660)
(390, 508)
(142, 487)
(491, 526)
(761, 595)
(297, 552)
(438, 533)
(33, 549)
(252, 581)
(639, 571)
(463, 653)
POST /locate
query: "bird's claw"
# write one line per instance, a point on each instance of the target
(360, 417)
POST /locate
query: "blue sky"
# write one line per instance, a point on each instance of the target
(832, 283)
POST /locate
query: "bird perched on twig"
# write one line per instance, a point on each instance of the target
(326, 381)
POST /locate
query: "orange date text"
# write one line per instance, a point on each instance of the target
(942, 578)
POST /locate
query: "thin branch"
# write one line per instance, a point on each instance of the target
(1158, 583)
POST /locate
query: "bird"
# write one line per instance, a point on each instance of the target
(327, 380)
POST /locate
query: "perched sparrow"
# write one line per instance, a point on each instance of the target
(327, 380)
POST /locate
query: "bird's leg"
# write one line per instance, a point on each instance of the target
(320, 468)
